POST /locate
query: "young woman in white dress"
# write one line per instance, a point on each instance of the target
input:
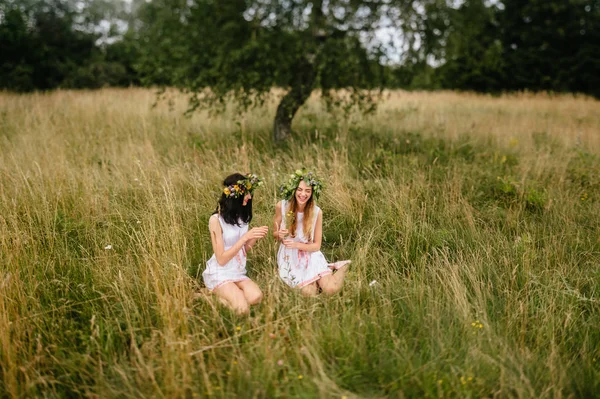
(299, 226)
(225, 273)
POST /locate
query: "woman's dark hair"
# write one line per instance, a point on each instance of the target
(231, 209)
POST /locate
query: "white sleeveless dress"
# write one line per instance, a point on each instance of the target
(233, 271)
(298, 268)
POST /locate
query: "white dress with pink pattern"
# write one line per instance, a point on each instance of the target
(233, 271)
(298, 268)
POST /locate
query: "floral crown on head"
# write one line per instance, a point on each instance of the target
(288, 189)
(242, 187)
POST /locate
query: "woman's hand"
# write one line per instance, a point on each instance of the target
(282, 233)
(255, 233)
(291, 244)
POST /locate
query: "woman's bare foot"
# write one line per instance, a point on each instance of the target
(342, 264)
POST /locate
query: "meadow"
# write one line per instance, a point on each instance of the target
(472, 222)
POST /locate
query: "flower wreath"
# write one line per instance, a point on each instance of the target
(246, 185)
(288, 189)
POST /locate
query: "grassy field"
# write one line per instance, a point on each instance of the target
(475, 218)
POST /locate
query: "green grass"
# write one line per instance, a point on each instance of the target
(476, 216)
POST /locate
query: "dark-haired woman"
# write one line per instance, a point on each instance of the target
(299, 226)
(225, 273)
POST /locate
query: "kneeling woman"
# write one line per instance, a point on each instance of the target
(299, 227)
(225, 273)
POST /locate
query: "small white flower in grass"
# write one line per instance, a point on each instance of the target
(108, 247)
(372, 283)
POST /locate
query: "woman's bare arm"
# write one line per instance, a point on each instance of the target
(317, 238)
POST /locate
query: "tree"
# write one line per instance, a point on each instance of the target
(467, 39)
(15, 43)
(552, 45)
(39, 46)
(46, 44)
(242, 49)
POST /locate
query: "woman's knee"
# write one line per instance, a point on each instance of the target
(254, 297)
(328, 287)
(310, 290)
(252, 292)
(234, 298)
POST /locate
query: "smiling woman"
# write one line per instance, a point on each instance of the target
(300, 260)
(225, 273)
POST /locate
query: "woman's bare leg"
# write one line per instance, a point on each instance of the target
(234, 298)
(310, 290)
(332, 283)
(251, 291)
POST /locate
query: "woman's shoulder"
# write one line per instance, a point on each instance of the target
(214, 222)
(216, 218)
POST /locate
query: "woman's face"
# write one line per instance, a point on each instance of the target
(247, 198)
(303, 193)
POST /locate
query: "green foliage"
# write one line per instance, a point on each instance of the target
(40, 48)
(48, 44)
(217, 51)
(549, 45)
(535, 200)
(472, 51)
(583, 173)
(240, 50)
(516, 45)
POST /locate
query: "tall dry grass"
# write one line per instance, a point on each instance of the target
(475, 217)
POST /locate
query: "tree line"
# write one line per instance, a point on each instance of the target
(243, 48)
(478, 45)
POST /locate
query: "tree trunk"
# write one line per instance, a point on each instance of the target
(292, 101)
(304, 81)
